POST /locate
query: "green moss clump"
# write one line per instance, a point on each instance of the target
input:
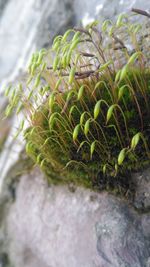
(87, 103)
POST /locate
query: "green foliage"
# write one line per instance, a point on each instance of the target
(87, 103)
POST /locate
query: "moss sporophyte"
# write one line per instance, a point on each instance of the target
(87, 103)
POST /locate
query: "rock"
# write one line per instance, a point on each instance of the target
(34, 25)
(105, 9)
(3, 5)
(54, 227)
(142, 189)
(121, 241)
(55, 21)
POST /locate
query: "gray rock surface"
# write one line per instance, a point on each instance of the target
(105, 9)
(121, 239)
(55, 21)
(2, 5)
(142, 188)
(54, 227)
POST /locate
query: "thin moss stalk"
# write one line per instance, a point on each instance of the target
(90, 117)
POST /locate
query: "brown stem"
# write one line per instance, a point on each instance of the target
(141, 12)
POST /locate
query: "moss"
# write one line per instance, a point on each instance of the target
(83, 170)
(85, 106)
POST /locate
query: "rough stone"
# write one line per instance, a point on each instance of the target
(142, 189)
(55, 21)
(54, 227)
(121, 241)
(105, 9)
(3, 4)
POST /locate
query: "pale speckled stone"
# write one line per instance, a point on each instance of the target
(54, 227)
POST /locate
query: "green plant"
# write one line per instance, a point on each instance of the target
(87, 103)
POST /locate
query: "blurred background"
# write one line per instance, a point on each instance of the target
(26, 26)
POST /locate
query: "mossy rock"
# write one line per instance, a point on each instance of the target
(85, 104)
